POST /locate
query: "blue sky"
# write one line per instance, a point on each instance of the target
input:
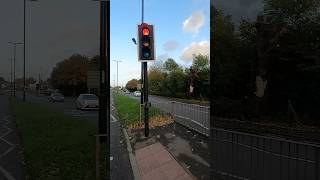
(181, 29)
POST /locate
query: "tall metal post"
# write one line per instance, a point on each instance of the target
(11, 75)
(142, 65)
(145, 88)
(14, 70)
(104, 72)
(117, 75)
(145, 98)
(24, 52)
(14, 65)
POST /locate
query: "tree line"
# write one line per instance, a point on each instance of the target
(173, 80)
(268, 67)
(70, 75)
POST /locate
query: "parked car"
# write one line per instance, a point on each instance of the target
(127, 92)
(87, 102)
(137, 93)
(56, 97)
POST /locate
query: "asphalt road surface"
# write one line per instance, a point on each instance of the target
(11, 159)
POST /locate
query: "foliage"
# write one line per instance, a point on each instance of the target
(70, 75)
(290, 32)
(129, 109)
(132, 85)
(56, 146)
(171, 79)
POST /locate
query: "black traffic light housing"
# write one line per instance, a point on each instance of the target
(146, 48)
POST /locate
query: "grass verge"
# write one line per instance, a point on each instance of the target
(129, 113)
(56, 146)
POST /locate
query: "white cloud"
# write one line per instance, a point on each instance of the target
(195, 48)
(193, 23)
(162, 57)
(171, 45)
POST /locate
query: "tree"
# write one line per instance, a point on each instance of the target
(157, 80)
(175, 78)
(70, 74)
(225, 50)
(132, 85)
(202, 81)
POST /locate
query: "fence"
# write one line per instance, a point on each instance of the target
(193, 116)
(252, 157)
(246, 156)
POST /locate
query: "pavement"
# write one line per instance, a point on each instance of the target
(189, 149)
(156, 163)
(11, 155)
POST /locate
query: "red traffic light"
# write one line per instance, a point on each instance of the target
(145, 31)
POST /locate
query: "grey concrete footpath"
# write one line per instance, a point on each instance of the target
(11, 155)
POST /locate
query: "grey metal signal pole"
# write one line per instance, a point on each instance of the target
(144, 95)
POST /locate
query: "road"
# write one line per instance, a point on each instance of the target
(11, 160)
(119, 159)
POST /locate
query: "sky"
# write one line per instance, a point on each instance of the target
(182, 27)
(240, 9)
(57, 29)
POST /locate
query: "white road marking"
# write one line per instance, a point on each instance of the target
(2, 170)
(5, 134)
(113, 118)
(6, 174)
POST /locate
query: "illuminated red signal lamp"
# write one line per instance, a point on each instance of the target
(146, 32)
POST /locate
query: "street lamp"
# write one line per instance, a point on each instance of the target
(11, 75)
(14, 65)
(24, 48)
(117, 61)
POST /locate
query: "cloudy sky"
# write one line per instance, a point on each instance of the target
(240, 9)
(55, 30)
(181, 29)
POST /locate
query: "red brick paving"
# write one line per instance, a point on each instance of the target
(156, 163)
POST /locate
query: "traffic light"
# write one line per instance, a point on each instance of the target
(146, 48)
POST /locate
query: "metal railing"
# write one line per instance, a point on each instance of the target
(246, 156)
(193, 116)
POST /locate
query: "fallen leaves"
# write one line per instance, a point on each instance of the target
(154, 121)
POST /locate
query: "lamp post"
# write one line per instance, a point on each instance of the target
(24, 48)
(117, 61)
(11, 75)
(14, 65)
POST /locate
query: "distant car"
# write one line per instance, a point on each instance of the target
(127, 92)
(56, 97)
(137, 93)
(87, 102)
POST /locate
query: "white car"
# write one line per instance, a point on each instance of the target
(137, 93)
(87, 102)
